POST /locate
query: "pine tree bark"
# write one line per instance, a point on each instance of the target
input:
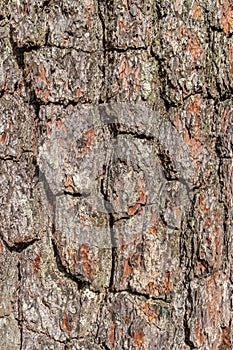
(116, 174)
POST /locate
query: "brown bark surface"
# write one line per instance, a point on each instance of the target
(116, 174)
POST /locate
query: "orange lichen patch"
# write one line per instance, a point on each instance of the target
(195, 106)
(153, 229)
(134, 209)
(66, 324)
(3, 138)
(42, 74)
(127, 269)
(1, 248)
(36, 264)
(168, 285)
(152, 288)
(86, 260)
(111, 334)
(78, 92)
(142, 197)
(194, 48)
(226, 15)
(196, 10)
(151, 315)
(138, 338)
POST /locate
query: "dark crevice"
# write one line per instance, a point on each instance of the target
(166, 298)
(74, 194)
(109, 210)
(33, 101)
(19, 246)
(126, 49)
(136, 135)
(75, 278)
(187, 331)
(46, 3)
(18, 52)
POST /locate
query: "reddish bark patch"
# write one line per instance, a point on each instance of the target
(86, 260)
(196, 10)
(194, 48)
(66, 324)
(89, 136)
(195, 106)
(127, 269)
(3, 138)
(153, 289)
(151, 314)
(42, 74)
(142, 200)
(199, 335)
(226, 15)
(142, 197)
(134, 209)
(153, 229)
(168, 285)
(226, 339)
(111, 334)
(138, 338)
(36, 264)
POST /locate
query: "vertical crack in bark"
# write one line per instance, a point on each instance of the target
(19, 319)
(108, 207)
(102, 7)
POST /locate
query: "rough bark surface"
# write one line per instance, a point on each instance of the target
(116, 174)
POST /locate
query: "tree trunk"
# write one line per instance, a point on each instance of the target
(116, 174)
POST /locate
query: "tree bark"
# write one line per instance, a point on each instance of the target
(116, 174)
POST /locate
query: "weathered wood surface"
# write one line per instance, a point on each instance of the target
(116, 174)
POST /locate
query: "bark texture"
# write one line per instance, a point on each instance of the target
(116, 174)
